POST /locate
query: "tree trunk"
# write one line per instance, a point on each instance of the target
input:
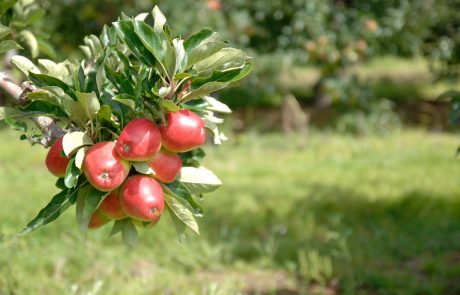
(294, 118)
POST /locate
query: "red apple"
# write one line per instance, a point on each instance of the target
(214, 5)
(142, 198)
(104, 168)
(149, 224)
(185, 131)
(153, 223)
(56, 163)
(97, 220)
(111, 207)
(166, 165)
(139, 140)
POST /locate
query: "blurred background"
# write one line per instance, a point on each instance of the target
(340, 175)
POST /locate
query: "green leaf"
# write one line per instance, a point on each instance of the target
(6, 4)
(209, 116)
(223, 60)
(42, 95)
(125, 31)
(151, 39)
(217, 81)
(100, 78)
(75, 111)
(92, 200)
(121, 113)
(42, 107)
(202, 45)
(4, 31)
(74, 140)
(125, 62)
(179, 191)
(86, 51)
(9, 115)
(79, 78)
(117, 226)
(129, 232)
(193, 158)
(105, 114)
(60, 184)
(91, 82)
(160, 19)
(170, 57)
(453, 95)
(55, 207)
(203, 36)
(36, 15)
(210, 123)
(216, 106)
(169, 106)
(80, 156)
(141, 16)
(24, 65)
(143, 168)
(181, 60)
(57, 70)
(223, 77)
(46, 48)
(41, 80)
(56, 91)
(181, 215)
(28, 39)
(181, 76)
(95, 44)
(178, 225)
(108, 36)
(8, 112)
(199, 180)
(71, 175)
(8, 45)
(158, 44)
(120, 81)
(106, 117)
(58, 204)
(79, 206)
(125, 99)
(89, 102)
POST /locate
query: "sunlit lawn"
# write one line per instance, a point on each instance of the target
(369, 215)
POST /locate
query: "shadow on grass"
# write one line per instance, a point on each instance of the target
(409, 245)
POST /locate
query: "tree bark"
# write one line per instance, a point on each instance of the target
(48, 127)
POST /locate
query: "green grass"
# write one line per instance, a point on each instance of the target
(344, 215)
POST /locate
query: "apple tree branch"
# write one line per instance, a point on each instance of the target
(48, 127)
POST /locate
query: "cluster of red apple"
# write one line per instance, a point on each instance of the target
(107, 166)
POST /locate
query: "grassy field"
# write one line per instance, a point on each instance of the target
(344, 215)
